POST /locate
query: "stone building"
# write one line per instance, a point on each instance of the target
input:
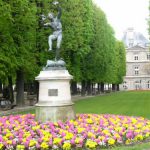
(137, 62)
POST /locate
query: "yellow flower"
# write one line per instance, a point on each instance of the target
(139, 125)
(56, 124)
(134, 120)
(20, 147)
(71, 121)
(5, 138)
(66, 146)
(147, 135)
(91, 144)
(75, 123)
(90, 121)
(9, 142)
(32, 143)
(101, 138)
(139, 137)
(106, 132)
(111, 141)
(80, 130)
(26, 134)
(44, 145)
(128, 141)
(1, 146)
(118, 129)
(8, 134)
(117, 135)
(56, 141)
(77, 140)
(90, 134)
(35, 128)
(45, 138)
(137, 131)
(68, 136)
(125, 125)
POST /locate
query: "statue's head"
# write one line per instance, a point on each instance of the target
(50, 15)
(55, 2)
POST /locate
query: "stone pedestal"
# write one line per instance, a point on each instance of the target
(54, 96)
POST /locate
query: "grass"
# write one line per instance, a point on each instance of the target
(145, 146)
(135, 103)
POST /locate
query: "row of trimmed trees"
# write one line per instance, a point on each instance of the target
(89, 48)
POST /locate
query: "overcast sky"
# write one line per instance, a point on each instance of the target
(122, 14)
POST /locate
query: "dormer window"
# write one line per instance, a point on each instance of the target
(131, 42)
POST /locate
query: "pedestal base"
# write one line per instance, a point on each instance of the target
(54, 113)
(54, 96)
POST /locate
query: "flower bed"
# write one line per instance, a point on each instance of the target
(88, 131)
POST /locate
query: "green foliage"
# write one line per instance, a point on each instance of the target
(121, 61)
(7, 59)
(77, 33)
(88, 46)
(23, 32)
(101, 46)
(18, 37)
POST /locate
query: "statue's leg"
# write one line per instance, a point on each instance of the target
(59, 39)
(50, 38)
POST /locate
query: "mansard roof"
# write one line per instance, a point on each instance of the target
(136, 47)
(131, 37)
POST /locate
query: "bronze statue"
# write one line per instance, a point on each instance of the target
(56, 25)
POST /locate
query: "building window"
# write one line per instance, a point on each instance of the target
(136, 72)
(136, 57)
(125, 85)
(148, 56)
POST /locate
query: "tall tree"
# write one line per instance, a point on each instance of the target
(22, 32)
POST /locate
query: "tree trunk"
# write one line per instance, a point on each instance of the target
(74, 90)
(93, 89)
(6, 92)
(98, 88)
(102, 87)
(20, 88)
(89, 90)
(113, 87)
(83, 88)
(10, 87)
(118, 87)
(1, 88)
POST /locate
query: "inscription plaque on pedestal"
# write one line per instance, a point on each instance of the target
(52, 92)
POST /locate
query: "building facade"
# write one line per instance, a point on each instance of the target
(137, 62)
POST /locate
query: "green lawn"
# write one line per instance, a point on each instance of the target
(145, 146)
(136, 103)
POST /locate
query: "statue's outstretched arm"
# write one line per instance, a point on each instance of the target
(59, 12)
(47, 24)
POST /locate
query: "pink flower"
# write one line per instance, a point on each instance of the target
(129, 135)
